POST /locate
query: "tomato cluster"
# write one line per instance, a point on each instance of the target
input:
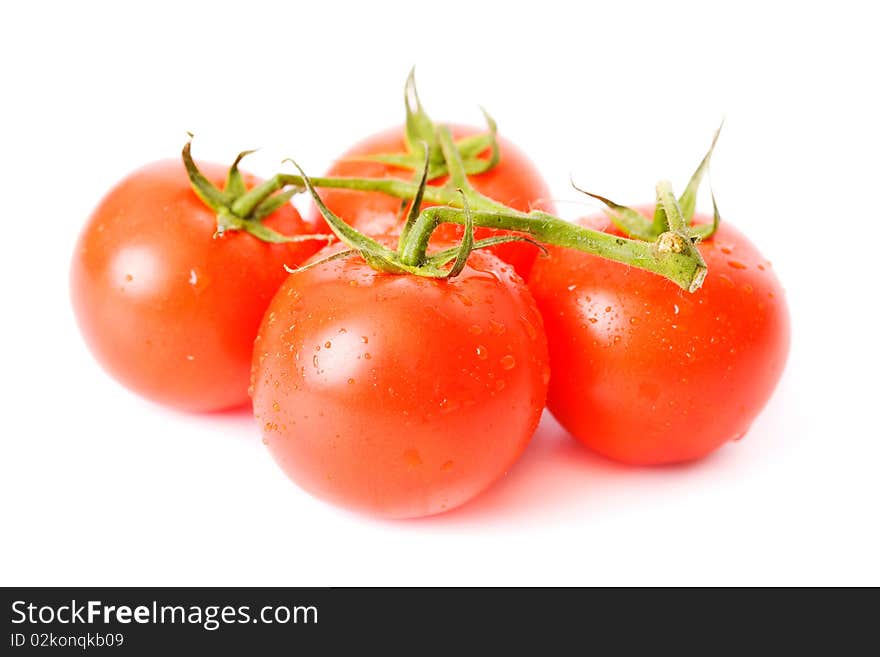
(403, 388)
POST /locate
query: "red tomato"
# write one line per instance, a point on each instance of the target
(645, 373)
(514, 181)
(398, 395)
(166, 309)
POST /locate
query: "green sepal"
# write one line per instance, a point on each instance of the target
(416, 205)
(214, 198)
(376, 254)
(454, 164)
(467, 240)
(470, 148)
(419, 127)
(317, 263)
(688, 199)
(266, 234)
(706, 231)
(223, 201)
(274, 203)
(235, 185)
(671, 216)
(630, 222)
(445, 256)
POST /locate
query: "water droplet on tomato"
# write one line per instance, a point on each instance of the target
(199, 280)
(475, 329)
(508, 362)
(412, 458)
(328, 344)
(496, 328)
(530, 329)
(736, 264)
(482, 352)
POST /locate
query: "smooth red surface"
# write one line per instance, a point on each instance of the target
(514, 181)
(646, 373)
(167, 309)
(397, 395)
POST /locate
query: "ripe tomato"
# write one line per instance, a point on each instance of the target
(167, 310)
(514, 181)
(398, 395)
(646, 373)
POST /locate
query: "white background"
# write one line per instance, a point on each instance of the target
(99, 487)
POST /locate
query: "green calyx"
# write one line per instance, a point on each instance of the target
(670, 254)
(411, 255)
(420, 129)
(665, 245)
(223, 202)
(670, 214)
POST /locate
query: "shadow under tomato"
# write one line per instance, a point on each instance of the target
(238, 422)
(557, 478)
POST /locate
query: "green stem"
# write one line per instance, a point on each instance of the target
(678, 266)
(391, 186)
(668, 256)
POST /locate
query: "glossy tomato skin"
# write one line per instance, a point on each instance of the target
(396, 395)
(648, 374)
(167, 309)
(514, 181)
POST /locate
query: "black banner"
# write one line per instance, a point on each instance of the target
(264, 621)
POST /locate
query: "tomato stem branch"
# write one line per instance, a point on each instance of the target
(671, 256)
